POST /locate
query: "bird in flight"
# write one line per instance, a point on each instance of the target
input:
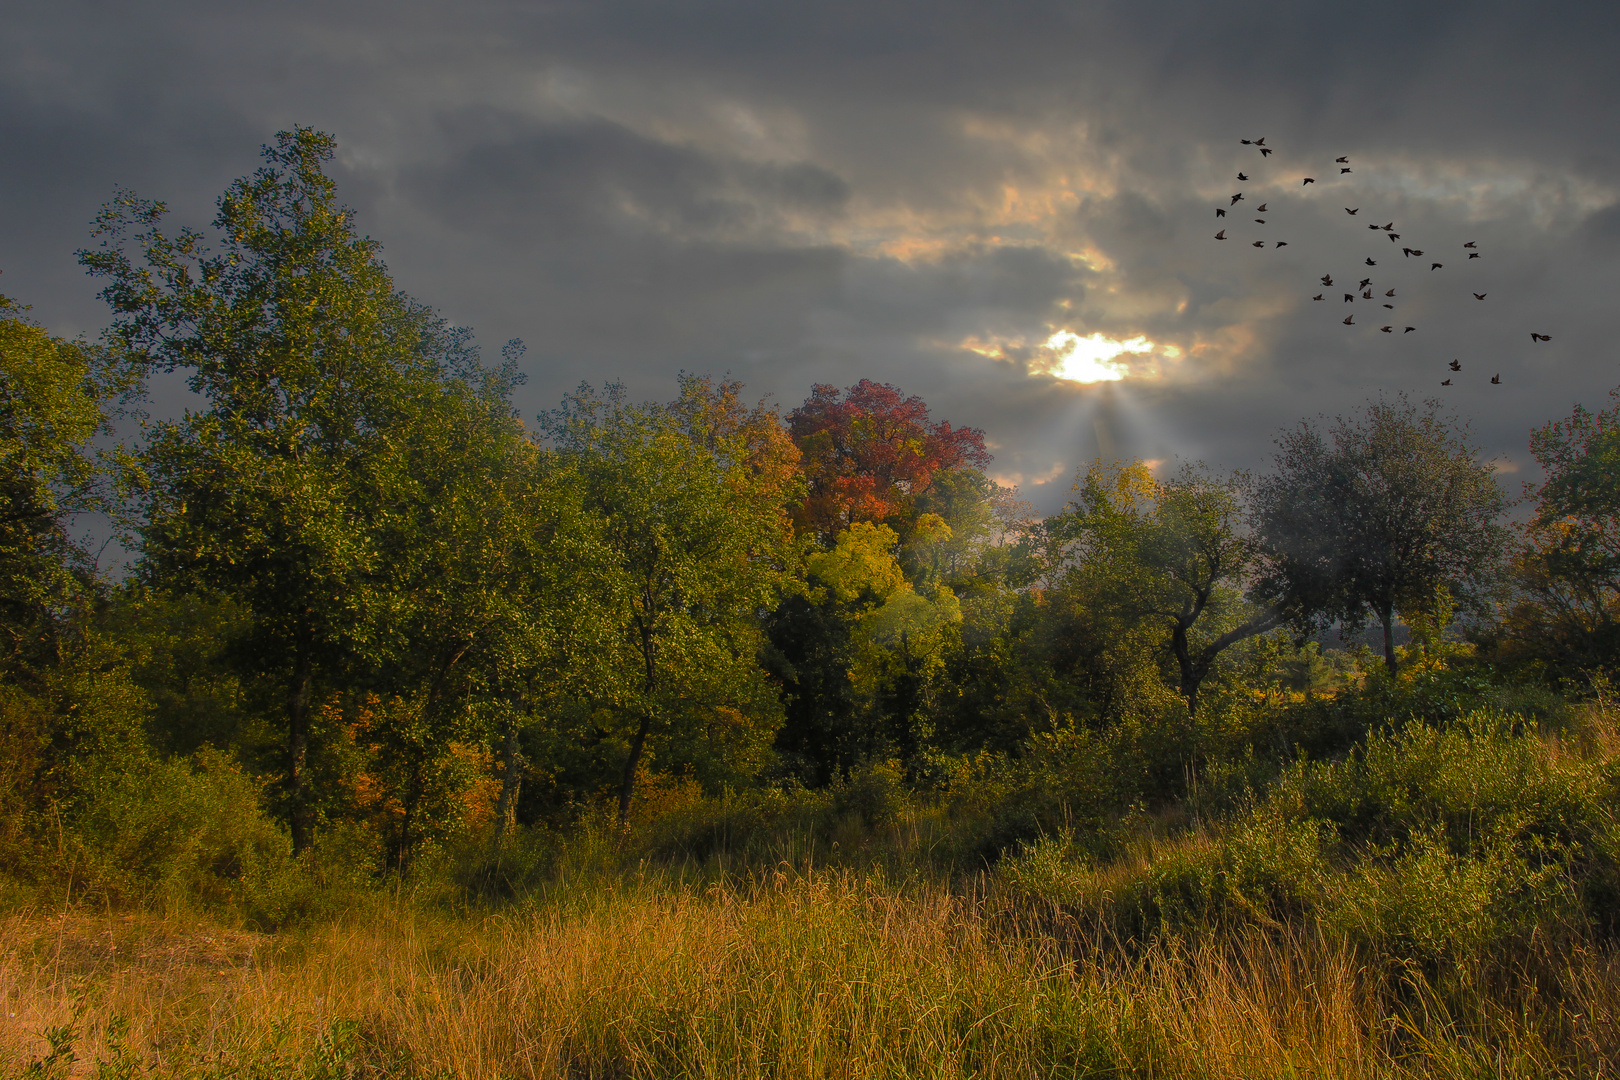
(1221, 235)
(1367, 295)
(1219, 212)
(1390, 306)
(1343, 171)
(1327, 279)
(1371, 261)
(1390, 293)
(1456, 365)
(1437, 266)
(1318, 296)
(1366, 281)
(1469, 244)
(1540, 337)
(1308, 180)
(1262, 209)
(1351, 321)
(1473, 254)
(1342, 160)
(1259, 243)
(1282, 243)
(1386, 228)
(1241, 176)
(1407, 252)
(1236, 199)
(1259, 221)
(1480, 295)
(1387, 329)
(1394, 236)
(1447, 382)
(1349, 297)
(1357, 210)
(1409, 329)
(1372, 226)
(1496, 379)
(1265, 151)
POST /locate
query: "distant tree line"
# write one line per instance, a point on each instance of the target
(360, 575)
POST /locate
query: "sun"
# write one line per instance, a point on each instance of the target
(1093, 358)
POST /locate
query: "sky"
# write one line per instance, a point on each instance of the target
(1007, 209)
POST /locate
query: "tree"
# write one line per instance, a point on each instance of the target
(313, 368)
(690, 508)
(55, 397)
(1376, 516)
(1568, 572)
(867, 454)
(1171, 552)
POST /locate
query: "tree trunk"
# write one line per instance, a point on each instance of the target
(1388, 616)
(1189, 675)
(511, 779)
(628, 789)
(297, 753)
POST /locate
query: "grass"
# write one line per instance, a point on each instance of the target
(822, 974)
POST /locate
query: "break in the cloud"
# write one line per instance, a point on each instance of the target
(1006, 208)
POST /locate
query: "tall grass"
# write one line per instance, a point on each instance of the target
(826, 974)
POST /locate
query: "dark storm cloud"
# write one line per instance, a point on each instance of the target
(919, 193)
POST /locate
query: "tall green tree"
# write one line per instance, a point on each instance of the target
(1568, 572)
(691, 505)
(1173, 553)
(55, 398)
(1378, 513)
(313, 368)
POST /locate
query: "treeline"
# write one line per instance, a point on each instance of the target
(374, 608)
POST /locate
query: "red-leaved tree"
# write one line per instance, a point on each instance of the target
(867, 452)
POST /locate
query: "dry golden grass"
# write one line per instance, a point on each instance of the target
(821, 975)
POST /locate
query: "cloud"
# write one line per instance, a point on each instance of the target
(930, 195)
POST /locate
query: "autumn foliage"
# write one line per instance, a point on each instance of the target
(870, 449)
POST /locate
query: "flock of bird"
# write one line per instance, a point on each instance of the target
(1365, 289)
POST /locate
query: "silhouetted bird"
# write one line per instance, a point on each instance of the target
(1351, 321)
(1409, 329)
(1469, 244)
(1407, 252)
(1259, 221)
(1241, 176)
(1387, 329)
(1342, 160)
(1372, 226)
(1357, 210)
(1236, 199)
(1366, 281)
(1390, 293)
(1394, 236)
(1497, 379)
(1371, 261)
(1540, 337)
(1343, 171)
(1265, 151)
(1219, 212)
(1327, 279)
(1259, 142)
(1282, 243)
(1388, 227)
(1221, 235)
(1349, 297)
(1245, 142)
(1473, 254)
(1318, 296)
(1308, 180)
(1446, 383)
(1259, 243)
(1480, 296)
(1418, 252)
(1390, 306)
(1456, 365)
(1367, 295)
(1262, 209)
(1436, 266)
